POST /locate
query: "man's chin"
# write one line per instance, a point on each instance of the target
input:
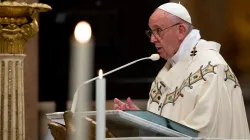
(165, 57)
(162, 55)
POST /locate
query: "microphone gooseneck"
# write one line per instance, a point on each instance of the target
(153, 57)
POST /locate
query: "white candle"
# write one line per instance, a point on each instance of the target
(100, 107)
(81, 66)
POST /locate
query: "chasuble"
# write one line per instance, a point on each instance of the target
(202, 92)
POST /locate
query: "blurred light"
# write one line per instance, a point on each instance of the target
(61, 17)
(83, 32)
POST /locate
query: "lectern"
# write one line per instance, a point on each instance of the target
(121, 125)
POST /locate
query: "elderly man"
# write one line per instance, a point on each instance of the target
(196, 87)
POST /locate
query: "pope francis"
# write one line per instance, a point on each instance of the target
(196, 87)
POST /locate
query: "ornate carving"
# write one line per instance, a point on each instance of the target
(17, 24)
(21, 9)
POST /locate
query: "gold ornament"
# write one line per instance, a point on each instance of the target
(17, 24)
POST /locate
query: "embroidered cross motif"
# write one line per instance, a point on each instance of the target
(192, 78)
(193, 52)
(172, 97)
(156, 91)
(232, 77)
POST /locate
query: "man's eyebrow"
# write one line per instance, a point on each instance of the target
(156, 26)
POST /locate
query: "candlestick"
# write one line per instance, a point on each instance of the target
(100, 107)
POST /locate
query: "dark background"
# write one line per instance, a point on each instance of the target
(119, 31)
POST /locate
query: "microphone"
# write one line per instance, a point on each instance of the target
(153, 57)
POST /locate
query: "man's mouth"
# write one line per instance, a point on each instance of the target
(159, 48)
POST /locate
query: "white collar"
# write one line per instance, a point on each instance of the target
(187, 45)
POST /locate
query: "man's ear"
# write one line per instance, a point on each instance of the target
(182, 31)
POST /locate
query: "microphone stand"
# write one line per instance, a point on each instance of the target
(153, 57)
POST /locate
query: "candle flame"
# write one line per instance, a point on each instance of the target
(100, 73)
(83, 32)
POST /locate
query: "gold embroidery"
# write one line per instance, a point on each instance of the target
(172, 97)
(156, 92)
(232, 77)
(192, 78)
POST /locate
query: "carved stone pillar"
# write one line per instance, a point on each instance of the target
(17, 24)
(12, 97)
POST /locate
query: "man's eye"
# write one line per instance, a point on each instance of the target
(158, 30)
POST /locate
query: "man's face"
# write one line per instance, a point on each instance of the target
(166, 41)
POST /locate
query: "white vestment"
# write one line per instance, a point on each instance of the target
(201, 92)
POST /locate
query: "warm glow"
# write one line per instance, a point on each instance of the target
(83, 32)
(100, 73)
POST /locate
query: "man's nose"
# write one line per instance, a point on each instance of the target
(153, 39)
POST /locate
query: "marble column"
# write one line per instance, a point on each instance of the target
(12, 97)
(17, 25)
